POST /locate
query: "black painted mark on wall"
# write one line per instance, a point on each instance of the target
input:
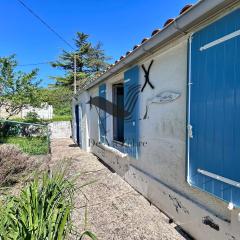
(147, 80)
(178, 205)
(209, 222)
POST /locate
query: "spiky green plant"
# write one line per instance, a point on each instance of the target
(41, 211)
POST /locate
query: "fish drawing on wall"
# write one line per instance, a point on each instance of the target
(160, 98)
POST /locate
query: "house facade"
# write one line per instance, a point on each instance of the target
(165, 117)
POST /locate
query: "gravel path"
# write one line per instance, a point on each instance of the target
(114, 209)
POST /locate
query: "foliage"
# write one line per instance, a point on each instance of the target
(41, 211)
(32, 117)
(14, 128)
(30, 145)
(17, 89)
(14, 165)
(60, 98)
(90, 61)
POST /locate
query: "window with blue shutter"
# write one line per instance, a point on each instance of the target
(102, 116)
(131, 105)
(214, 109)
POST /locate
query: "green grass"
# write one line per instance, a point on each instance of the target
(30, 145)
(61, 118)
(56, 118)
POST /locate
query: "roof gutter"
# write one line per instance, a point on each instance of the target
(182, 24)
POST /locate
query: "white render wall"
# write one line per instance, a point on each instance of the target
(160, 172)
(60, 129)
(45, 112)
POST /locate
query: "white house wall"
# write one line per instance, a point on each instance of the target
(84, 126)
(160, 171)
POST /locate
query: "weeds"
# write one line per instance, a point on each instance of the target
(41, 211)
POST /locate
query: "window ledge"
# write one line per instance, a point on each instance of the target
(113, 150)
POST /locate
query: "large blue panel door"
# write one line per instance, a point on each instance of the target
(77, 124)
(78, 119)
(214, 109)
(80, 125)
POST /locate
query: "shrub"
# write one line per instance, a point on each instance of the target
(41, 211)
(13, 128)
(14, 165)
(9, 129)
(32, 117)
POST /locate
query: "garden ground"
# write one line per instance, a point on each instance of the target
(114, 209)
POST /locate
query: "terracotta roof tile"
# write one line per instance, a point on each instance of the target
(169, 21)
(136, 46)
(187, 7)
(155, 32)
(128, 52)
(144, 40)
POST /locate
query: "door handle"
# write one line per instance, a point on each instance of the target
(190, 132)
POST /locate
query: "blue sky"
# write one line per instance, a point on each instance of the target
(117, 24)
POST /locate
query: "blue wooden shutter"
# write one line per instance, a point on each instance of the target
(131, 104)
(102, 116)
(214, 149)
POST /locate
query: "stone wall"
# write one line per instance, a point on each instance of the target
(60, 129)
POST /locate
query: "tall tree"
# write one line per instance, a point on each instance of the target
(17, 89)
(90, 60)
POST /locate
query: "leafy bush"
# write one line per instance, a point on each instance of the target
(8, 129)
(14, 128)
(30, 145)
(41, 211)
(60, 98)
(32, 117)
(64, 110)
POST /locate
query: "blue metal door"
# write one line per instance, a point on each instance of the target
(80, 125)
(77, 124)
(214, 109)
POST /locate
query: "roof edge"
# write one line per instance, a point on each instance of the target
(179, 27)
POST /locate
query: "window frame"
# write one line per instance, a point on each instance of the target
(117, 140)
